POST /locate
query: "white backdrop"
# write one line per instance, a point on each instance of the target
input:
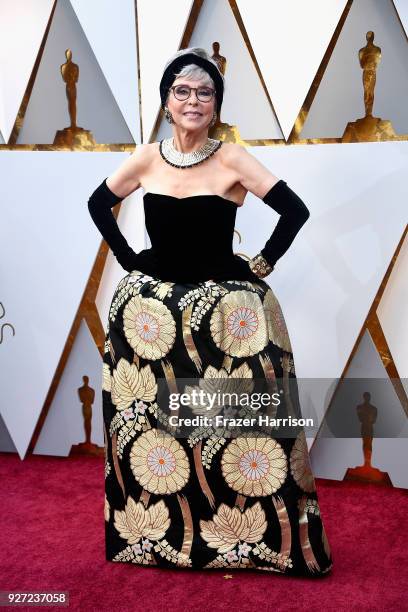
(356, 193)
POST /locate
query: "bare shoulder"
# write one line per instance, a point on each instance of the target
(231, 152)
(250, 172)
(127, 177)
(143, 153)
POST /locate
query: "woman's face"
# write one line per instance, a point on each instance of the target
(191, 114)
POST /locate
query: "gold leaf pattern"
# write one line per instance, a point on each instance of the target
(129, 383)
(136, 522)
(230, 526)
(106, 378)
(220, 382)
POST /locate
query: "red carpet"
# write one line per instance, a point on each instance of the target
(52, 531)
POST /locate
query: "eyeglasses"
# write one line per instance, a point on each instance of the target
(183, 92)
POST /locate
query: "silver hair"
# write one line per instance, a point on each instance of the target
(193, 71)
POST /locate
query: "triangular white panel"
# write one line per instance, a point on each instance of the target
(334, 451)
(245, 101)
(402, 10)
(49, 244)
(161, 26)
(47, 109)
(340, 96)
(289, 40)
(22, 27)
(64, 425)
(392, 312)
(110, 28)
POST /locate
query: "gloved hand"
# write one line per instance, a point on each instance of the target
(260, 266)
(294, 214)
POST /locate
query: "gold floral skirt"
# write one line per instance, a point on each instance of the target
(205, 500)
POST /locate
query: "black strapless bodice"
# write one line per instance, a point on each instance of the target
(192, 239)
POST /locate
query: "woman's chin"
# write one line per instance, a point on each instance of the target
(192, 122)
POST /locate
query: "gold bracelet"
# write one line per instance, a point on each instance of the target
(260, 266)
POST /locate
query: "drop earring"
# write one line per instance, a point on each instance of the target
(168, 115)
(213, 120)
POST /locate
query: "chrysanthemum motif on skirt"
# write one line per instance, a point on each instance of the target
(205, 500)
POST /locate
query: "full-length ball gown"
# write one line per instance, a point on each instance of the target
(197, 311)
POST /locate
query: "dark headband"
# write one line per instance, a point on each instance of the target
(191, 58)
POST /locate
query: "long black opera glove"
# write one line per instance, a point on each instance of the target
(99, 205)
(294, 214)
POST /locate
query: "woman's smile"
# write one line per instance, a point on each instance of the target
(192, 114)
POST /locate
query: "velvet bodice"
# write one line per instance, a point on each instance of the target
(192, 238)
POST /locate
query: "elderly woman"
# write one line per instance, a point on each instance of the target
(207, 484)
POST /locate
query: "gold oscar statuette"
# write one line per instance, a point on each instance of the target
(367, 415)
(72, 136)
(223, 131)
(369, 128)
(86, 397)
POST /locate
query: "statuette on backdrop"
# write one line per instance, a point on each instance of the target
(73, 135)
(367, 415)
(219, 59)
(369, 128)
(220, 130)
(86, 397)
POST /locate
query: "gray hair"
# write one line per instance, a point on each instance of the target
(192, 71)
